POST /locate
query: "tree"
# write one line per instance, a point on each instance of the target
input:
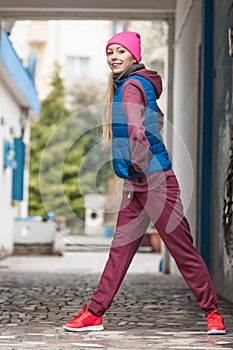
(64, 163)
(53, 111)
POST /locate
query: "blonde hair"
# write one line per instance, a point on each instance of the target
(107, 118)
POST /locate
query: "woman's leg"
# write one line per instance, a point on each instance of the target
(131, 225)
(175, 233)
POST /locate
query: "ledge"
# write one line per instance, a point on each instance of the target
(16, 77)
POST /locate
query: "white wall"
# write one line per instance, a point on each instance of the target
(186, 52)
(10, 116)
(9, 110)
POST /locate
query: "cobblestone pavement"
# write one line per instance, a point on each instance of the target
(150, 311)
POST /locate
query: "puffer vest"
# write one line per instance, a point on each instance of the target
(159, 160)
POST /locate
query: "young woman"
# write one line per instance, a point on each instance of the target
(151, 192)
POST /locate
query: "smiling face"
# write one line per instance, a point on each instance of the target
(119, 58)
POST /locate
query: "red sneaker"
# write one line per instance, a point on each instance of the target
(84, 321)
(215, 323)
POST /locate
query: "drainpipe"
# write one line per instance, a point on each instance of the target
(206, 131)
(171, 31)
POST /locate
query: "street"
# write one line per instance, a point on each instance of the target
(150, 311)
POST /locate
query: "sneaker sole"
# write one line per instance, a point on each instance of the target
(89, 328)
(217, 331)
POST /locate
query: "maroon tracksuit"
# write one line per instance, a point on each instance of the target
(161, 205)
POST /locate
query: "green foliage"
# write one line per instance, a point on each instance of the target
(53, 111)
(59, 177)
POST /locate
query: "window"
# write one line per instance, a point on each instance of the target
(77, 66)
(158, 66)
(18, 171)
(119, 26)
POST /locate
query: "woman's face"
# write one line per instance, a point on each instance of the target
(119, 58)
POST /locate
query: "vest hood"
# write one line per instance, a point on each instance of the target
(153, 77)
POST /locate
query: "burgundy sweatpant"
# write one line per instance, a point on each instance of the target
(162, 206)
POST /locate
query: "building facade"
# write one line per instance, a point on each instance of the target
(19, 103)
(62, 42)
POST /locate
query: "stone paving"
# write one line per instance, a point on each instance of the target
(150, 311)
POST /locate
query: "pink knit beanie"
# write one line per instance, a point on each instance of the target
(129, 40)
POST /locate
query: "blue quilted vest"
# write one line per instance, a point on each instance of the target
(121, 144)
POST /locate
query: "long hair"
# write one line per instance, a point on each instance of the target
(107, 118)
